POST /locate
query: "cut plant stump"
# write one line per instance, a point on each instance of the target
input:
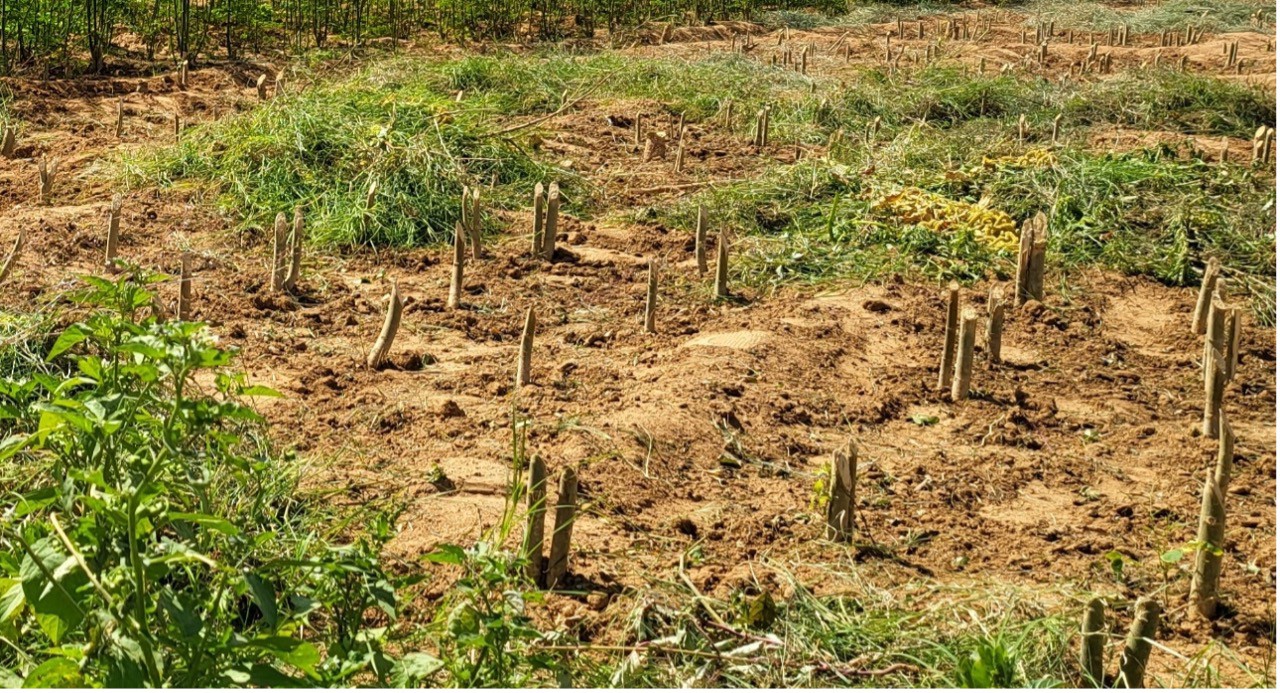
(295, 255)
(113, 231)
(1029, 280)
(552, 222)
(842, 486)
(566, 511)
(459, 260)
(184, 289)
(524, 365)
(722, 266)
(1137, 647)
(12, 258)
(279, 255)
(1093, 638)
(539, 217)
(382, 347)
(8, 141)
(1207, 286)
(995, 324)
(536, 512)
(651, 300)
(1214, 385)
(964, 357)
(946, 367)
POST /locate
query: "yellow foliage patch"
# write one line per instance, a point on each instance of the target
(991, 227)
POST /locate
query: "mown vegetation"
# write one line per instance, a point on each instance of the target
(153, 535)
(1157, 208)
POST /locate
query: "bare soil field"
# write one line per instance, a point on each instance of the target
(1074, 466)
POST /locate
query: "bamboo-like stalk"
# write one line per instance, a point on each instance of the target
(995, 325)
(1208, 283)
(459, 260)
(119, 117)
(382, 347)
(842, 483)
(722, 266)
(8, 141)
(651, 300)
(1213, 518)
(295, 246)
(11, 259)
(280, 239)
(700, 240)
(539, 217)
(1232, 355)
(184, 289)
(552, 222)
(566, 511)
(1214, 385)
(964, 357)
(113, 230)
(535, 530)
(948, 363)
(524, 364)
(1137, 648)
(1093, 638)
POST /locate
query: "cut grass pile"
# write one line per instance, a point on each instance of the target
(1148, 211)
(402, 125)
(385, 128)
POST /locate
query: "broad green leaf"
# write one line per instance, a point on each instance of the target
(55, 605)
(447, 554)
(264, 596)
(413, 668)
(69, 338)
(11, 600)
(296, 653)
(210, 522)
(58, 672)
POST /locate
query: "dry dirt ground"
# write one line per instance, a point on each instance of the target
(714, 430)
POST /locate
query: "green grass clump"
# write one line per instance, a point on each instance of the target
(1141, 212)
(324, 148)
(1171, 101)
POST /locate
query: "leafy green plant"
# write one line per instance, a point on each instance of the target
(485, 634)
(153, 540)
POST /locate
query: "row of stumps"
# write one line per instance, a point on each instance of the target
(1220, 324)
(547, 572)
(955, 369)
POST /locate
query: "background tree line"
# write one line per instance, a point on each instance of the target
(68, 36)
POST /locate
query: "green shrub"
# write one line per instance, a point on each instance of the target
(153, 540)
